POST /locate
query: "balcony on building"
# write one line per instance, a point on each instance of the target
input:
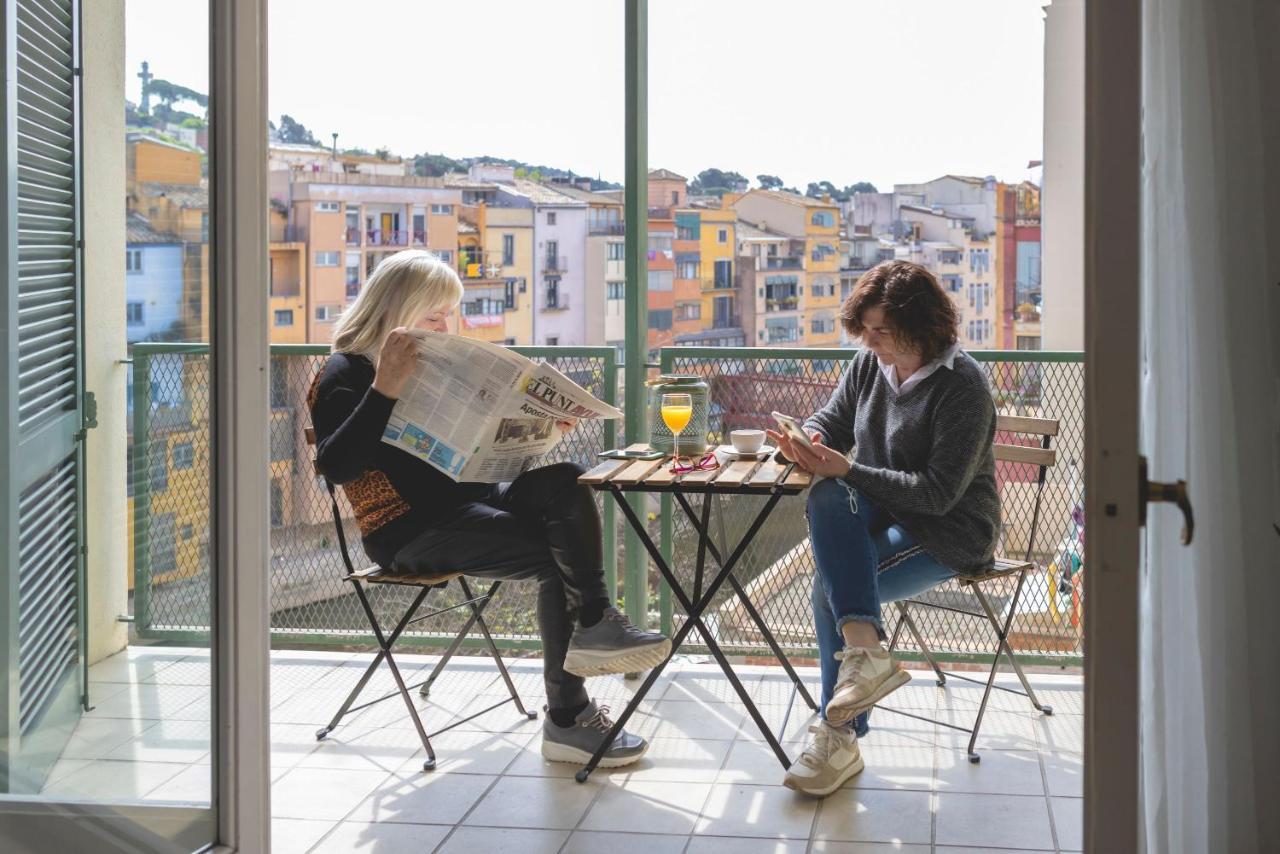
(353, 236)
(387, 237)
(783, 263)
(555, 302)
(555, 264)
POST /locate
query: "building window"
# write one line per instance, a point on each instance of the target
(133, 261)
(551, 217)
(442, 210)
(723, 236)
(508, 250)
(617, 251)
(325, 313)
(183, 455)
(660, 319)
(553, 340)
(823, 219)
(419, 228)
(159, 467)
(328, 207)
(690, 311)
(326, 259)
(133, 314)
(823, 325)
(687, 270)
(445, 255)
(616, 290)
(683, 232)
(724, 274)
(1028, 342)
(284, 317)
(675, 198)
(510, 295)
(204, 228)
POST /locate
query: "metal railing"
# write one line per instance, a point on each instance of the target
(379, 237)
(311, 605)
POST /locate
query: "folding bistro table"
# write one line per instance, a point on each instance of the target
(771, 478)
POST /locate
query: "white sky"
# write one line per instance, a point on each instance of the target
(840, 90)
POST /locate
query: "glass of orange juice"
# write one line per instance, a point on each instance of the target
(677, 409)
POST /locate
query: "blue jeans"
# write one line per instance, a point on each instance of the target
(863, 560)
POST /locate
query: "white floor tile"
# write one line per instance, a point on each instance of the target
(297, 835)
(135, 664)
(469, 840)
(647, 807)
(999, 731)
(434, 798)
(349, 837)
(150, 701)
(998, 821)
(322, 793)
(1060, 733)
(94, 738)
(681, 760)
(876, 815)
(461, 752)
(595, 842)
(1065, 773)
(167, 741)
(872, 848)
(743, 845)
(102, 780)
(889, 766)
(194, 785)
(1068, 821)
(678, 719)
(762, 811)
(539, 802)
(755, 762)
(372, 750)
(1001, 772)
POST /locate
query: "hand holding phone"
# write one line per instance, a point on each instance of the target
(792, 430)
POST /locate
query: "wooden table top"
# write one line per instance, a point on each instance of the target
(758, 476)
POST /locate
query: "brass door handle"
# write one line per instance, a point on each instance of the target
(1174, 493)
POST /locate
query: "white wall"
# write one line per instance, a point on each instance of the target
(1062, 198)
(570, 235)
(104, 338)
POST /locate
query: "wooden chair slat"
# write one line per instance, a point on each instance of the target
(602, 472)
(736, 473)
(1024, 454)
(637, 471)
(701, 476)
(1024, 424)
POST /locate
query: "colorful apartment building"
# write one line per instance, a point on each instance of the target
(605, 276)
(661, 279)
(769, 276)
(721, 312)
(686, 284)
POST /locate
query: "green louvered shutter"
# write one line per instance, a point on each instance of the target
(42, 424)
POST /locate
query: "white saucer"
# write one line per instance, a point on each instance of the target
(765, 452)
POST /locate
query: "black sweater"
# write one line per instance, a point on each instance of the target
(395, 495)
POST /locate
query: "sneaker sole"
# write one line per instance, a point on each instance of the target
(553, 751)
(840, 711)
(590, 662)
(852, 771)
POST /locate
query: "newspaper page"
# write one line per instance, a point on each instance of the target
(482, 413)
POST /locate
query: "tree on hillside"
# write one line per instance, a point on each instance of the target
(717, 183)
(293, 131)
(171, 93)
(436, 165)
(769, 182)
(861, 187)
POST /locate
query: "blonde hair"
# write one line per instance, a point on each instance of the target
(402, 288)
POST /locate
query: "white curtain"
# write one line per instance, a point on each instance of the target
(1210, 713)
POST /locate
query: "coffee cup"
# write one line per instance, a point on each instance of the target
(747, 441)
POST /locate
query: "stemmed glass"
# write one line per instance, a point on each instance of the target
(677, 409)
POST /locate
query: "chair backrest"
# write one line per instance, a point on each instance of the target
(310, 433)
(1044, 457)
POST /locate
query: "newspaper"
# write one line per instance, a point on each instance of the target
(481, 413)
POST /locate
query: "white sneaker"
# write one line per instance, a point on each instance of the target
(829, 759)
(867, 675)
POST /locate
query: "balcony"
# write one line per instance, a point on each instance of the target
(914, 769)
(379, 237)
(732, 321)
(419, 238)
(353, 236)
(782, 304)
(559, 302)
(610, 228)
(555, 265)
(783, 263)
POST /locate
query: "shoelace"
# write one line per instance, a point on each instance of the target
(600, 720)
(819, 751)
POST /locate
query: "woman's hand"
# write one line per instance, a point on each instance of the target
(567, 424)
(396, 363)
(821, 461)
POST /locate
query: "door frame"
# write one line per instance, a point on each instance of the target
(1112, 236)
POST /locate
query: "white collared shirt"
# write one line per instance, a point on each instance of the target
(946, 360)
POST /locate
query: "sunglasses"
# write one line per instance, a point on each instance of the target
(707, 463)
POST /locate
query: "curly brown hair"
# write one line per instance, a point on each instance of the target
(922, 316)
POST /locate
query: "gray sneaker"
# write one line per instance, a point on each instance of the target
(614, 645)
(578, 742)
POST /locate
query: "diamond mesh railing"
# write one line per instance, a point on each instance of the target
(310, 604)
(309, 601)
(747, 384)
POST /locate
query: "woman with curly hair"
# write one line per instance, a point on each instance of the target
(907, 496)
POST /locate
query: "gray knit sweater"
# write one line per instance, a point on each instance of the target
(924, 456)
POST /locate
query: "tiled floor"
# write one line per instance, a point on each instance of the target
(709, 784)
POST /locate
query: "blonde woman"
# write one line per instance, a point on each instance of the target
(413, 519)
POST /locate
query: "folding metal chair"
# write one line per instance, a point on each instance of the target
(1043, 457)
(425, 584)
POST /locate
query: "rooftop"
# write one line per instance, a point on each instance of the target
(792, 198)
(751, 231)
(588, 196)
(139, 230)
(183, 195)
(665, 175)
(541, 194)
(708, 783)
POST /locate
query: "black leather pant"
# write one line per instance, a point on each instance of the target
(542, 525)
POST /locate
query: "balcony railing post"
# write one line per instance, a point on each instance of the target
(666, 540)
(141, 490)
(610, 440)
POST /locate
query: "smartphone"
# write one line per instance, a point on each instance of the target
(624, 454)
(792, 429)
